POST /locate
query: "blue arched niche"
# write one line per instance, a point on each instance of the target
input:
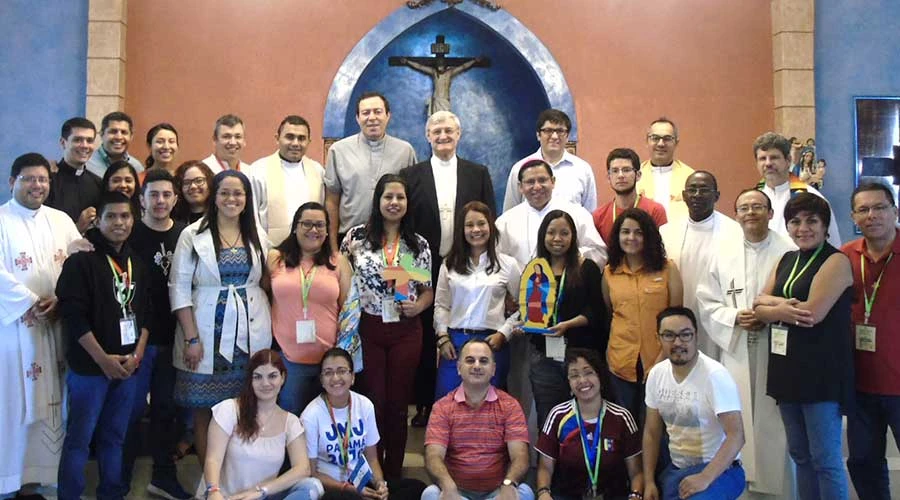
(497, 105)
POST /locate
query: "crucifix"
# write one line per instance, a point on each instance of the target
(441, 69)
(733, 292)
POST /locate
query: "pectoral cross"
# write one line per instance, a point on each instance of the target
(23, 261)
(733, 292)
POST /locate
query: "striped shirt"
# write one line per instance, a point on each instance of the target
(475, 439)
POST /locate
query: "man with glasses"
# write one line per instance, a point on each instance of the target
(692, 242)
(574, 176)
(876, 330)
(772, 151)
(33, 242)
(695, 400)
(623, 170)
(286, 179)
(662, 176)
(737, 275)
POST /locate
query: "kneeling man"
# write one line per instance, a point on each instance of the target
(476, 443)
(697, 400)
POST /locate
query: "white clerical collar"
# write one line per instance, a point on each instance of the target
(661, 169)
(290, 164)
(439, 163)
(376, 144)
(542, 211)
(706, 223)
(23, 210)
(758, 245)
(781, 188)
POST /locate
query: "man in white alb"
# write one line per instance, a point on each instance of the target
(662, 176)
(286, 179)
(693, 241)
(725, 295)
(229, 140)
(574, 177)
(772, 152)
(33, 242)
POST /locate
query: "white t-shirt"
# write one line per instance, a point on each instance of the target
(247, 464)
(323, 439)
(689, 408)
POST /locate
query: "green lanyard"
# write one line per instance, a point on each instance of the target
(788, 289)
(870, 302)
(344, 437)
(593, 451)
(123, 288)
(306, 281)
(559, 297)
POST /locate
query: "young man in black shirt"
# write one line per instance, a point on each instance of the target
(104, 303)
(153, 240)
(73, 189)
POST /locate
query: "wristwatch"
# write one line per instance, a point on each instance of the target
(510, 482)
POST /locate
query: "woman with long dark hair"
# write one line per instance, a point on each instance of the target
(122, 177)
(162, 141)
(393, 268)
(192, 184)
(248, 438)
(578, 316)
(470, 295)
(638, 283)
(309, 284)
(216, 294)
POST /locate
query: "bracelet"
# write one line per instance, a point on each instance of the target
(543, 490)
(636, 494)
(442, 339)
(262, 491)
(195, 340)
(211, 488)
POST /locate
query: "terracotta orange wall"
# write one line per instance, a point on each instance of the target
(704, 64)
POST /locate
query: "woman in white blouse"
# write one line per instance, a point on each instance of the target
(248, 437)
(470, 298)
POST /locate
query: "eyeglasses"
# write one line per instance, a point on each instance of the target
(558, 131)
(668, 139)
(756, 207)
(34, 179)
(684, 336)
(340, 372)
(587, 373)
(875, 210)
(624, 171)
(698, 191)
(308, 225)
(196, 181)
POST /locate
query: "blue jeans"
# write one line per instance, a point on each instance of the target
(813, 433)
(728, 486)
(866, 428)
(300, 387)
(447, 376)
(627, 394)
(99, 405)
(308, 488)
(433, 492)
(549, 384)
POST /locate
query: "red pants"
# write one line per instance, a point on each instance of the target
(390, 357)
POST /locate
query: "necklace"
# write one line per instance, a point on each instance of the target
(232, 245)
(263, 424)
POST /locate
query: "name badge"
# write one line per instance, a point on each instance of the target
(306, 331)
(128, 330)
(865, 337)
(361, 475)
(779, 340)
(556, 348)
(390, 311)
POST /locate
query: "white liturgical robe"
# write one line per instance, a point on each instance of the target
(32, 250)
(692, 246)
(737, 275)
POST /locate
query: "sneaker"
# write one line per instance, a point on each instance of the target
(169, 489)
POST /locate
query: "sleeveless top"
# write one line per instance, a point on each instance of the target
(819, 362)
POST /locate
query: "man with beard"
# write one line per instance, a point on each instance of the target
(693, 241)
(662, 176)
(623, 171)
(695, 400)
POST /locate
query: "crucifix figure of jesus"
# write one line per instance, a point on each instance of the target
(441, 69)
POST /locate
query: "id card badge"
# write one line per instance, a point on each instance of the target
(865, 337)
(390, 313)
(128, 330)
(361, 473)
(306, 331)
(556, 348)
(779, 340)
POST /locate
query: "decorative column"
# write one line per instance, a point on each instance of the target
(107, 23)
(793, 25)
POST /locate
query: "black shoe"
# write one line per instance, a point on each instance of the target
(421, 417)
(169, 489)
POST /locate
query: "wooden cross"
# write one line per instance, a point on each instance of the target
(733, 292)
(23, 261)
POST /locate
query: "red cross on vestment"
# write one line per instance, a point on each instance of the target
(23, 261)
(34, 372)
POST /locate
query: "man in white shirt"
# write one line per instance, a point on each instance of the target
(725, 296)
(662, 176)
(696, 401)
(693, 241)
(772, 151)
(33, 242)
(229, 141)
(575, 177)
(286, 179)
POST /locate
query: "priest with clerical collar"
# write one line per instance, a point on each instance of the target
(73, 189)
(662, 176)
(229, 140)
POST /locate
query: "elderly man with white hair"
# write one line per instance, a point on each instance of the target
(434, 211)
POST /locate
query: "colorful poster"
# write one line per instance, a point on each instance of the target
(537, 296)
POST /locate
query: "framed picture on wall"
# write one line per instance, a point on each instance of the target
(877, 141)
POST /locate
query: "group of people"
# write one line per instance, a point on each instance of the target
(688, 354)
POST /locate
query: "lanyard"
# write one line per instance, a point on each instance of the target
(306, 281)
(389, 253)
(788, 288)
(869, 302)
(615, 213)
(123, 288)
(593, 452)
(559, 297)
(344, 441)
